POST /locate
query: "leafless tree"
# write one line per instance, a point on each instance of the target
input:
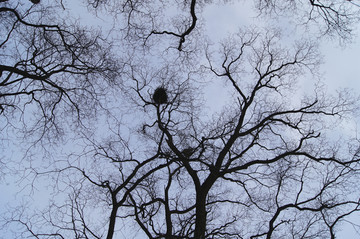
(49, 68)
(268, 165)
(331, 18)
(262, 169)
(181, 21)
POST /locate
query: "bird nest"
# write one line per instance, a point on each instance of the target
(160, 96)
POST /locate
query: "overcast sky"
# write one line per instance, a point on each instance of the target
(341, 67)
(341, 63)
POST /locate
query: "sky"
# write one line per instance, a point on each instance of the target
(340, 68)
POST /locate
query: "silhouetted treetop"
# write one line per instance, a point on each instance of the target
(172, 133)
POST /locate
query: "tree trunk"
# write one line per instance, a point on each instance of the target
(112, 223)
(200, 221)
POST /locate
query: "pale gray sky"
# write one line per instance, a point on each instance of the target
(341, 66)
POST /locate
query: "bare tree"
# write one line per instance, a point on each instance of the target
(331, 18)
(49, 68)
(268, 165)
(181, 21)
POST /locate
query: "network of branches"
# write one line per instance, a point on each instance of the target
(137, 151)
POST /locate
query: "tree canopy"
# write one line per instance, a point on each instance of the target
(107, 130)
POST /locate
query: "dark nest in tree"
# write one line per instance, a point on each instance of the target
(35, 1)
(160, 96)
(187, 152)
